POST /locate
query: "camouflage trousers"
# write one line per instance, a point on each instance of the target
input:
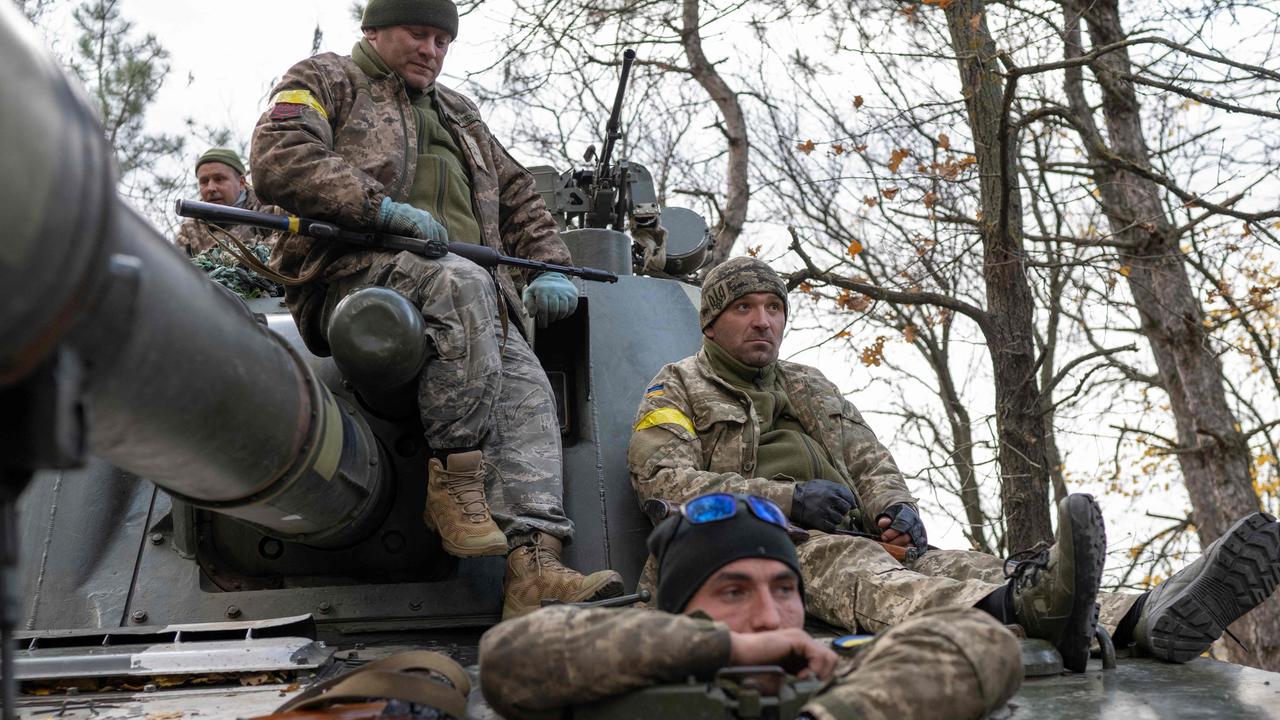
(944, 663)
(853, 583)
(477, 391)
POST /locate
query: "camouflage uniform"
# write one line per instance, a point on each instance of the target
(334, 156)
(941, 664)
(695, 433)
(195, 237)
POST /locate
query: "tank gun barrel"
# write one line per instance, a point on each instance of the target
(143, 359)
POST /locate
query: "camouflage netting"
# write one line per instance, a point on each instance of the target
(226, 270)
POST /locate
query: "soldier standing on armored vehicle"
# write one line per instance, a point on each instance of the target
(372, 141)
(735, 418)
(727, 562)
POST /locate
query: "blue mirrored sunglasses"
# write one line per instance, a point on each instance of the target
(722, 506)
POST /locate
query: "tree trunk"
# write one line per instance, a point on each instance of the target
(1024, 487)
(1213, 453)
(737, 188)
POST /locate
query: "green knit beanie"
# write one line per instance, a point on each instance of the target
(436, 13)
(226, 156)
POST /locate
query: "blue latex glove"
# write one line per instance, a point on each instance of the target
(398, 218)
(550, 297)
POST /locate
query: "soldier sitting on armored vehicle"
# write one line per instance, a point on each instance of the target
(727, 563)
(220, 177)
(734, 418)
(372, 141)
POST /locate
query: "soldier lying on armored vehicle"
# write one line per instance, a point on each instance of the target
(334, 145)
(734, 418)
(727, 562)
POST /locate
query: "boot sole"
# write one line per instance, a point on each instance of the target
(610, 588)
(491, 550)
(1242, 572)
(1089, 543)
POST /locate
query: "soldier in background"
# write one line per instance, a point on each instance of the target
(726, 562)
(371, 141)
(735, 418)
(220, 176)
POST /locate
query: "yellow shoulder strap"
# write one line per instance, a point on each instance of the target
(300, 97)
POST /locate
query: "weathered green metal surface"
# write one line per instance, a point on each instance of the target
(1142, 689)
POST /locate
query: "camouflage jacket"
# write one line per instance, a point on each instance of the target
(347, 142)
(942, 663)
(695, 433)
(564, 655)
(195, 237)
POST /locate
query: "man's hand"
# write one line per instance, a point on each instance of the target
(550, 297)
(403, 219)
(820, 504)
(902, 526)
(790, 648)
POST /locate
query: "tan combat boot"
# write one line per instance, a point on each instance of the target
(457, 509)
(534, 574)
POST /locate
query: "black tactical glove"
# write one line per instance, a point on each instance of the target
(820, 504)
(908, 522)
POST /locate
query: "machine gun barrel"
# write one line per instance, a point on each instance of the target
(118, 346)
(481, 255)
(613, 129)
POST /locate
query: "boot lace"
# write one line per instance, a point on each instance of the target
(1022, 567)
(468, 494)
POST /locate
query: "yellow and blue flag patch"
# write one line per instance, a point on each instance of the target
(656, 391)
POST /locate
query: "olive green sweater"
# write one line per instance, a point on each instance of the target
(784, 449)
(440, 182)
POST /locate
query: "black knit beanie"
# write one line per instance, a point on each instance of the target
(436, 13)
(689, 554)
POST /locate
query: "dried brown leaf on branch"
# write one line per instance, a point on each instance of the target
(850, 300)
(806, 147)
(889, 193)
(855, 247)
(857, 101)
(873, 354)
(944, 141)
(838, 149)
(896, 158)
(909, 333)
(870, 201)
(930, 199)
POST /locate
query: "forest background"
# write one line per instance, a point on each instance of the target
(1035, 243)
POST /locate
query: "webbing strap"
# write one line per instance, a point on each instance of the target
(246, 257)
(393, 678)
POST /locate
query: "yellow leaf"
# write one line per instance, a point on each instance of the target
(857, 101)
(1124, 270)
(806, 147)
(855, 247)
